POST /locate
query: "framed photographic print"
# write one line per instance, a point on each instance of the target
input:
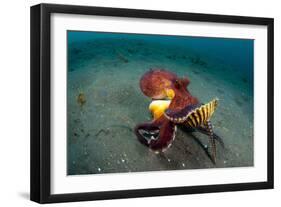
(132, 103)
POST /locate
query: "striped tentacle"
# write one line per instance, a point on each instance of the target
(209, 128)
(198, 117)
(201, 115)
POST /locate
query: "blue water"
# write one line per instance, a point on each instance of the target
(237, 52)
(106, 68)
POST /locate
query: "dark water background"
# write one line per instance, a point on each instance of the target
(236, 52)
(106, 68)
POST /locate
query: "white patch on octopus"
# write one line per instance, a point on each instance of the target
(170, 143)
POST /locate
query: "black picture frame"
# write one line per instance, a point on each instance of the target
(41, 97)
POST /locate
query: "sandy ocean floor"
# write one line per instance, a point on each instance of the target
(100, 132)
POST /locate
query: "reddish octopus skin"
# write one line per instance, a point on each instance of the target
(167, 130)
(153, 84)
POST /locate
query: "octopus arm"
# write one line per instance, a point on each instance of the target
(146, 132)
(179, 116)
(166, 137)
(203, 130)
(158, 136)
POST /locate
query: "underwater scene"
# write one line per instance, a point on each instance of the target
(145, 102)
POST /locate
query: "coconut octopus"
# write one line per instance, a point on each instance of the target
(172, 105)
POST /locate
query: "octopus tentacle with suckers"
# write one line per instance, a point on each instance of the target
(172, 104)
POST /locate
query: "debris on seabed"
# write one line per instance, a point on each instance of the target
(81, 99)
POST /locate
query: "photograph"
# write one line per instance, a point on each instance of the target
(129, 103)
(140, 103)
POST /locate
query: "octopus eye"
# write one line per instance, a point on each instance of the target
(177, 84)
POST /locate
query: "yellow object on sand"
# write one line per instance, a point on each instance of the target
(158, 107)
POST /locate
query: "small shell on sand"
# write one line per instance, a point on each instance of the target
(81, 99)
